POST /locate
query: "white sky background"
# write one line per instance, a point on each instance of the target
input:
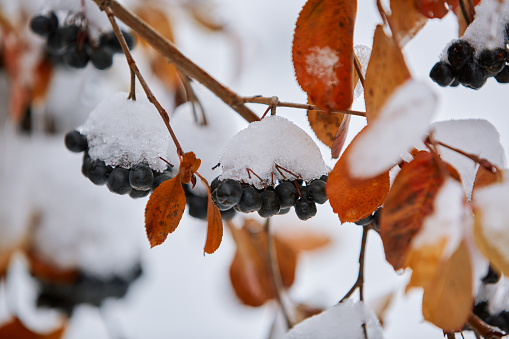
(186, 295)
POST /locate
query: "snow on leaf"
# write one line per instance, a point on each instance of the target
(402, 122)
(214, 222)
(164, 210)
(409, 202)
(322, 52)
(353, 199)
(266, 146)
(343, 320)
(407, 20)
(491, 228)
(387, 70)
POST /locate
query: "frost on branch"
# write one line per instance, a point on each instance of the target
(344, 320)
(123, 132)
(264, 144)
(403, 122)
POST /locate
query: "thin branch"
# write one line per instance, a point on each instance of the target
(358, 69)
(464, 12)
(167, 49)
(134, 68)
(359, 283)
(269, 101)
(132, 88)
(276, 274)
(193, 98)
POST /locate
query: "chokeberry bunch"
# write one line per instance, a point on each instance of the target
(70, 43)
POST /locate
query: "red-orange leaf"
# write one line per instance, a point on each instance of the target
(322, 52)
(214, 222)
(325, 125)
(164, 210)
(409, 201)
(407, 20)
(386, 71)
(16, 329)
(354, 199)
(434, 9)
(188, 165)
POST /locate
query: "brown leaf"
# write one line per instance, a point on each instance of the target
(325, 125)
(164, 210)
(434, 9)
(214, 222)
(250, 271)
(16, 329)
(386, 71)
(483, 178)
(409, 201)
(447, 302)
(49, 272)
(322, 52)
(354, 199)
(406, 19)
(340, 137)
(188, 164)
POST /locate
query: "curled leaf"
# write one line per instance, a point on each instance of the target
(188, 165)
(214, 222)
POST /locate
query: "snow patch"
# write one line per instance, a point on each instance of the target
(321, 62)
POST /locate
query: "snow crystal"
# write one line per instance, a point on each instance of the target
(488, 28)
(363, 54)
(402, 122)
(491, 203)
(124, 132)
(343, 320)
(474, 136)
(320, 63)
(450, 219)
(274, 149)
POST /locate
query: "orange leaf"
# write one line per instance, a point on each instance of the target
(322, 52)
(447, 303)
(434, 9)
(164, 210)
(188, 165)
(325, 125)
(409, 201)
(43, 270)
(406, 19)
(354, 199)
(483, 178)
(16, 329)
(214, 222)
(386, 71)
(250, 271)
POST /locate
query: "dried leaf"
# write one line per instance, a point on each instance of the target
(164, 210)
(386, 71)
(202, 15)
(447, 303)
(250, 271)
(340, 137)
(304, 241)
(322, 52)
(188, 165)
(406, 19)
(325, 125)
(354, 199)
(49, 272)
(434, 9)
(483, 178)
(16, 329)
(214, 222)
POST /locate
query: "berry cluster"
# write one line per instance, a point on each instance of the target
(464, 66)
(86, 289)
(71, 44)
(138, 181)
(231, 194)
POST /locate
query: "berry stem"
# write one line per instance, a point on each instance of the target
(269, 101)
(167, 49)
(134, 68)
(249, 171)
(287, 171)
(358, 69)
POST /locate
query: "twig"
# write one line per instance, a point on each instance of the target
(193, 98)
(464, 12)
(132, 88)
(482, 329)
(360, 277)
(358, 69)
(276, 274)
(134, 68)
(269, 101)
(167, 49)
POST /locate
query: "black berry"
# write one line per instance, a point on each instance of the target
(324, 177)
(228, 214)
(76, 142)
(460, 53)
(102, 58)
(503, 76)
(270, 204)
(472, 76)
(305, 209)
(250, 201)
(214, 184)
(492, 277)
(287, 194)
(160, 179)
(442, 73)
(316, 191)
(365, 221)
(118, 181)
(228, 192)
(99, 172)
(69, 34)
(492, 61)
(86, 164)
(110, 40)
(135, 194)
(44, 24)
(197, 206)
(54, 42)
(284, 211)
(76, 56)
(141, 177)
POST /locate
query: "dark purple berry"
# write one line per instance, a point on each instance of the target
(492, 277)
(141, 177)
(442, 73)
(455, 83)
(304, 192)
(228, 214)
(365, 221)
(317, 191)
(492, 61)
(270, 204)
(214, 184)
(99, 172)
(197, 206)
(86, 164)
(503, 76)
(324, 177)
(118, 181)
(102, 58)
(287, 194)
(76, 142)
(220, 206)
(69, 34)
(135, 194)
(305, 209)
(110, 40)
(76, 56)
(54, 42)
(376, 218)
(460, 53)
(250, 201)
(229, 192)
(44, 24)
(159, 179)
(284, 211)
(472, 76)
